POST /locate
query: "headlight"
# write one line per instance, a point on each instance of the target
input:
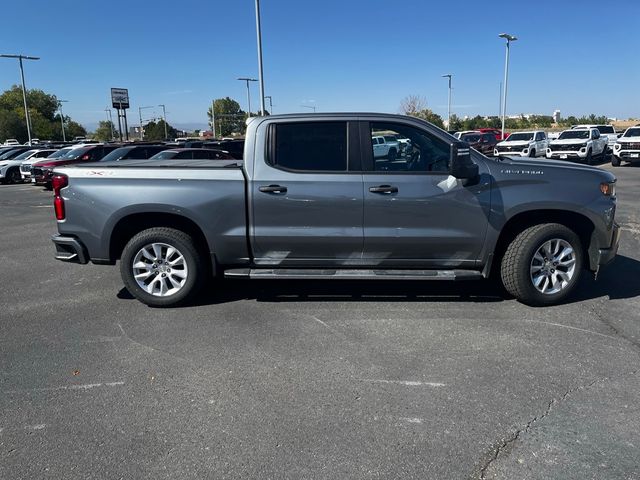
(3, 165)
(617, 146)
(608, 189)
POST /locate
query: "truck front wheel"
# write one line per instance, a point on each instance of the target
(162, 267)
(543, 264)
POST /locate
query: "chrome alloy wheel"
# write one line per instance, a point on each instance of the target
(553, 266)
(160, 269)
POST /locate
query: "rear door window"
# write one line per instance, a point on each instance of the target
(309, 146)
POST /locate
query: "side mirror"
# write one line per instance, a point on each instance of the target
(462, 166)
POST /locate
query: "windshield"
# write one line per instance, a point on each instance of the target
(473, 138)
(632, 132)
(165, 154)
(117, 154)
(606, 129)
(519, 137)
(59, 153)
(25, 155)
(8, 155)
(75, 152)
(571, 134)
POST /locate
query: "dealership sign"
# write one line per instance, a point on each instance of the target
(120, 98)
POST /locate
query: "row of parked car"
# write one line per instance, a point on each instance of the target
(35, 163)
(584, 143)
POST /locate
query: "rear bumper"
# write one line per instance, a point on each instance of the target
(70, 249)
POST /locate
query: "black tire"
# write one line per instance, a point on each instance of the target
(589, 158)
(13, 176)
(192, 258)
(615, 161)
(515, 268)
(532, 152)
(391, 156)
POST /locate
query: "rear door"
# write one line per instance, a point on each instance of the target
(306, 195)
(415, 213)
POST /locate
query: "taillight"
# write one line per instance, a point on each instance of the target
(58, 182)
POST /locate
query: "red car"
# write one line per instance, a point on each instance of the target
(42, 171)
(496, 132)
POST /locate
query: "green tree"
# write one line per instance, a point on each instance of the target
(155, 131)
(229, 117)
(74, 129)
(105, 131)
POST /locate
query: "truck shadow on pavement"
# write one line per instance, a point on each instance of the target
(620, 280)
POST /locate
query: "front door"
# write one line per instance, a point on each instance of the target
(306, 193)
(415, 213)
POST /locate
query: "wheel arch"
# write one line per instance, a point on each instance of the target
(582, 225)
(134, 223)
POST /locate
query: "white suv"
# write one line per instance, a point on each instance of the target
(523, 144)
(627, 147)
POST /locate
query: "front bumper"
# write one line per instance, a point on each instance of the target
(562, 155)
(627, 154)
(606, 255)
(70, 249)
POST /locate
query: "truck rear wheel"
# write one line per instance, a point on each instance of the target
(162, 267)
(615, 161)
(543, 264)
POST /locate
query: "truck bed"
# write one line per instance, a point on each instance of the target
(164, 163)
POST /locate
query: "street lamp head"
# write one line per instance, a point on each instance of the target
(247, 79)
(448, 75)
(509, 38)
(24, 57)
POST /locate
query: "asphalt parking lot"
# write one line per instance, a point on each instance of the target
(312, 380)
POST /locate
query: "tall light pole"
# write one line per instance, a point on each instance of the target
(509, 39)
(270, 104)
(449, 75)
(309, 106)
(247, 79)
(111, 125)
(260, 74)
(164, 119)
(140, 114)
(24, 89)
(60, 102)
(213, 118)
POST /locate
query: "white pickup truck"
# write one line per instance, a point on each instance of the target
(523, 144)
(385, 146)
(606, 131)
(627, 147)
(578, 144)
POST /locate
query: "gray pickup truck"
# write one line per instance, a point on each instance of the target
(310, 200)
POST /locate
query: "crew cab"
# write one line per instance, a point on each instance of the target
(627, 148)
(310, 201)
(578, 144)
(523, 144)
(606, 131)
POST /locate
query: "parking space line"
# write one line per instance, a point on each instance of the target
(86, 386)
(407, 383)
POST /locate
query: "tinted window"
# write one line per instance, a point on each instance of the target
(187, 154)
(488, 137)
(470, 138)
(313, 146)
(632, 132)
(117, 154)
(574, 134)
(422, 151)
(24, 155)
(606, 129)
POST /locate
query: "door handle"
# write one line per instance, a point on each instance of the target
(273, 189)
(383, 189)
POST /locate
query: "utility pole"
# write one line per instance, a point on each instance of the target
(110, 120)
(509, 39)
(270, 104)
(164, 118)
(140, 114)
(213, 118)
(449, 75)
(60, 102)
(247, 79)
(260, 73)
(24, 89)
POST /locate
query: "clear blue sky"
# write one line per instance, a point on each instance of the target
(578, 56)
